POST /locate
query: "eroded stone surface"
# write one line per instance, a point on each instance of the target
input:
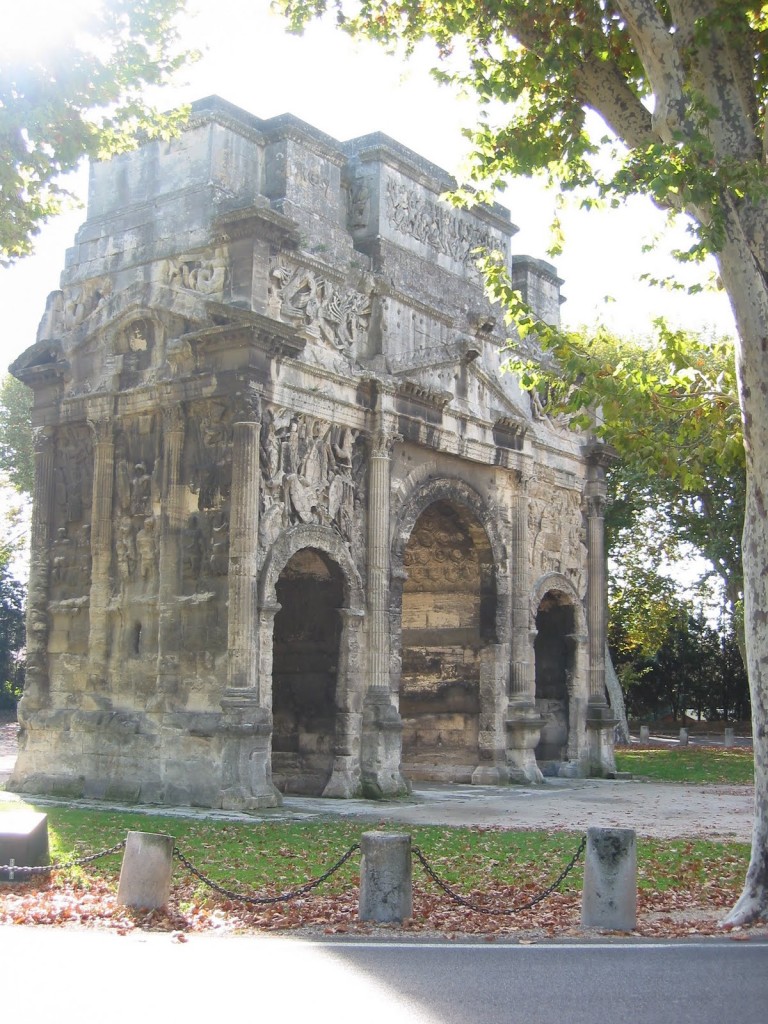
(293, 529)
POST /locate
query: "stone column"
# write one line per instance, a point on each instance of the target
(382, 725)
(345, 777)
(169, 559)
(600, 720)
(101, 553)
(37, 682)
(247, 720)
(523, 722)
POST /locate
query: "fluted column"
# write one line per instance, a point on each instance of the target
(378, 564)
(101, 548)
(169, 559)
(521, 687)
(246, 728)
(596, 596)
(523, 723)
(37, 683)
(382, 725)
(243, 559)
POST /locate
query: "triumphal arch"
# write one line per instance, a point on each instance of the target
(294, 532)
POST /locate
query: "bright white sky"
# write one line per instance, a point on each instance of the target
(347, 89)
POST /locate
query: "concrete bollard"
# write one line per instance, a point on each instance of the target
(386, 883)
(609, 899)
(683, 737)
(645, 733)
(729, 737)
(145, 877)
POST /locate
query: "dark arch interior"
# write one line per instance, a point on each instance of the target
(448, 616)
(554, 665)
(304, 670)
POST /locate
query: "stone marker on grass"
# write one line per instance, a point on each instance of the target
(683, 737)
(145, 877)
(386, 877)
(609, 898)
(645, 733)
(728, 737)
(24, 842)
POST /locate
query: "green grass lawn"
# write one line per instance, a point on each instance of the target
(716, 765)
(281, 855)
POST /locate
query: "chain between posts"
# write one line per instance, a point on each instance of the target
(495, 910)
(12, 869)
(44, 869)
(264, 900)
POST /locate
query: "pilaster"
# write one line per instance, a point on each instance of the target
(101, 550)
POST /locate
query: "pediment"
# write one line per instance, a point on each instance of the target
(464, 384)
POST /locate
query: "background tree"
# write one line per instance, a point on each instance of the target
(16, 457)
(682, 87)
(83, 98)
(12, 638)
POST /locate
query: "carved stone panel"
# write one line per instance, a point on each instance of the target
(327, 311)
(310, 470)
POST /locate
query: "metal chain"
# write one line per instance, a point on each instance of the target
(263, 900)
(44, 869)
(510, 910)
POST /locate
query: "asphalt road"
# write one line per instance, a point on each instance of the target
(89, 976)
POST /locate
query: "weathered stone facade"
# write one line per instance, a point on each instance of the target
(293, 531)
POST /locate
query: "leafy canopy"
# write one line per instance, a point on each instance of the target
(540, 66)
(81, 98)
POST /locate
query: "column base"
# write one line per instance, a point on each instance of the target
(601, 723)
(490, 775)
(246, 760)
(344, 782)
(523, 726)
(380, 775)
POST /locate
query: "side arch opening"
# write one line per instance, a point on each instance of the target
(307, 631)
(555, 658)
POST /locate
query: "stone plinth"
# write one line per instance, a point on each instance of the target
(609, 899)
(23, 841)
(386, 888)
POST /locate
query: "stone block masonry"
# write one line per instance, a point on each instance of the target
(293, 530)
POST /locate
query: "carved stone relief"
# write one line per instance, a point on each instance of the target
(81, 300)
(209, 454)
(335, 315)
(198, 274)
(205, 548)
(309, 472)
(556, 534)
(434, 224)
(73, 473)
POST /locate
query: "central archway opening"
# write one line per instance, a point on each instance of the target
(448, 616)
(554, 653)
(304, 672)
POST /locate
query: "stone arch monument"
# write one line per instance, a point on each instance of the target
(293, 529)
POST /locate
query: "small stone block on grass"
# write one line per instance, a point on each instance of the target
(145, 877)
(23, 842)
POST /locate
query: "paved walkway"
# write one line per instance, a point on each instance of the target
(651, 809)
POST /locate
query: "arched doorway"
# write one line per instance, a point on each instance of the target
(555, 653)
(448, 617)
(305, 663)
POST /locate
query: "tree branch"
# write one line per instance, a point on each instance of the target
(657, 49)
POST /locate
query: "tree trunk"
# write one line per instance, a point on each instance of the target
(616, 698)
(747, 288)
